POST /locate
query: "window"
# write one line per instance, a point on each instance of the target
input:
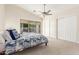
(30, 26)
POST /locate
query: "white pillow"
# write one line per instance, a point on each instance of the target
(7, 36)
(2, 43)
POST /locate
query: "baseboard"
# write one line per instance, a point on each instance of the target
(51, 37)
(69, 41)
(62, 39)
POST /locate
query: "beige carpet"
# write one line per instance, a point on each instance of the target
(55, 47)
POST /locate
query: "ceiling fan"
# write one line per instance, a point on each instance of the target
(44, 12)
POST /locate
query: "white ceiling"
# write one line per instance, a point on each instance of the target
(53, 7)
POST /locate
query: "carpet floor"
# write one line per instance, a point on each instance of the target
(54, 47)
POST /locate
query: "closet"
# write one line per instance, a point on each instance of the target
(67, 28)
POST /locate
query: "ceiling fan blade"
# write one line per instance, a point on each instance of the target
(48, 11)
(48, 14)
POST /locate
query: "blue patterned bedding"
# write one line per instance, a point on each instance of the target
(18, 42)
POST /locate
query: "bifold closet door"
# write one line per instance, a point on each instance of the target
(67, 28)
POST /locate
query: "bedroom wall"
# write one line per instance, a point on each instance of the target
(2, 14)
(14, 14)
(74, 12)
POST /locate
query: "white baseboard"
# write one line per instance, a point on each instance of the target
(70, 41)
(51, 37)
(62, 39)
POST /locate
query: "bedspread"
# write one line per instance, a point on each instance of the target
(24, 40)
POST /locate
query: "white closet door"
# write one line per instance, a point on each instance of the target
(67, 28)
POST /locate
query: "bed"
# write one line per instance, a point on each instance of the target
(17, 42)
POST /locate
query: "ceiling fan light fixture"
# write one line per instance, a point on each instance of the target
(44, 12)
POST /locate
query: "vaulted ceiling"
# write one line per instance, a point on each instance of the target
(39, 7)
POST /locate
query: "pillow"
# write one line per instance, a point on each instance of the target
(2, 43)
(14, 34)
(2, 40)
(6, 36)
(11, 34)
